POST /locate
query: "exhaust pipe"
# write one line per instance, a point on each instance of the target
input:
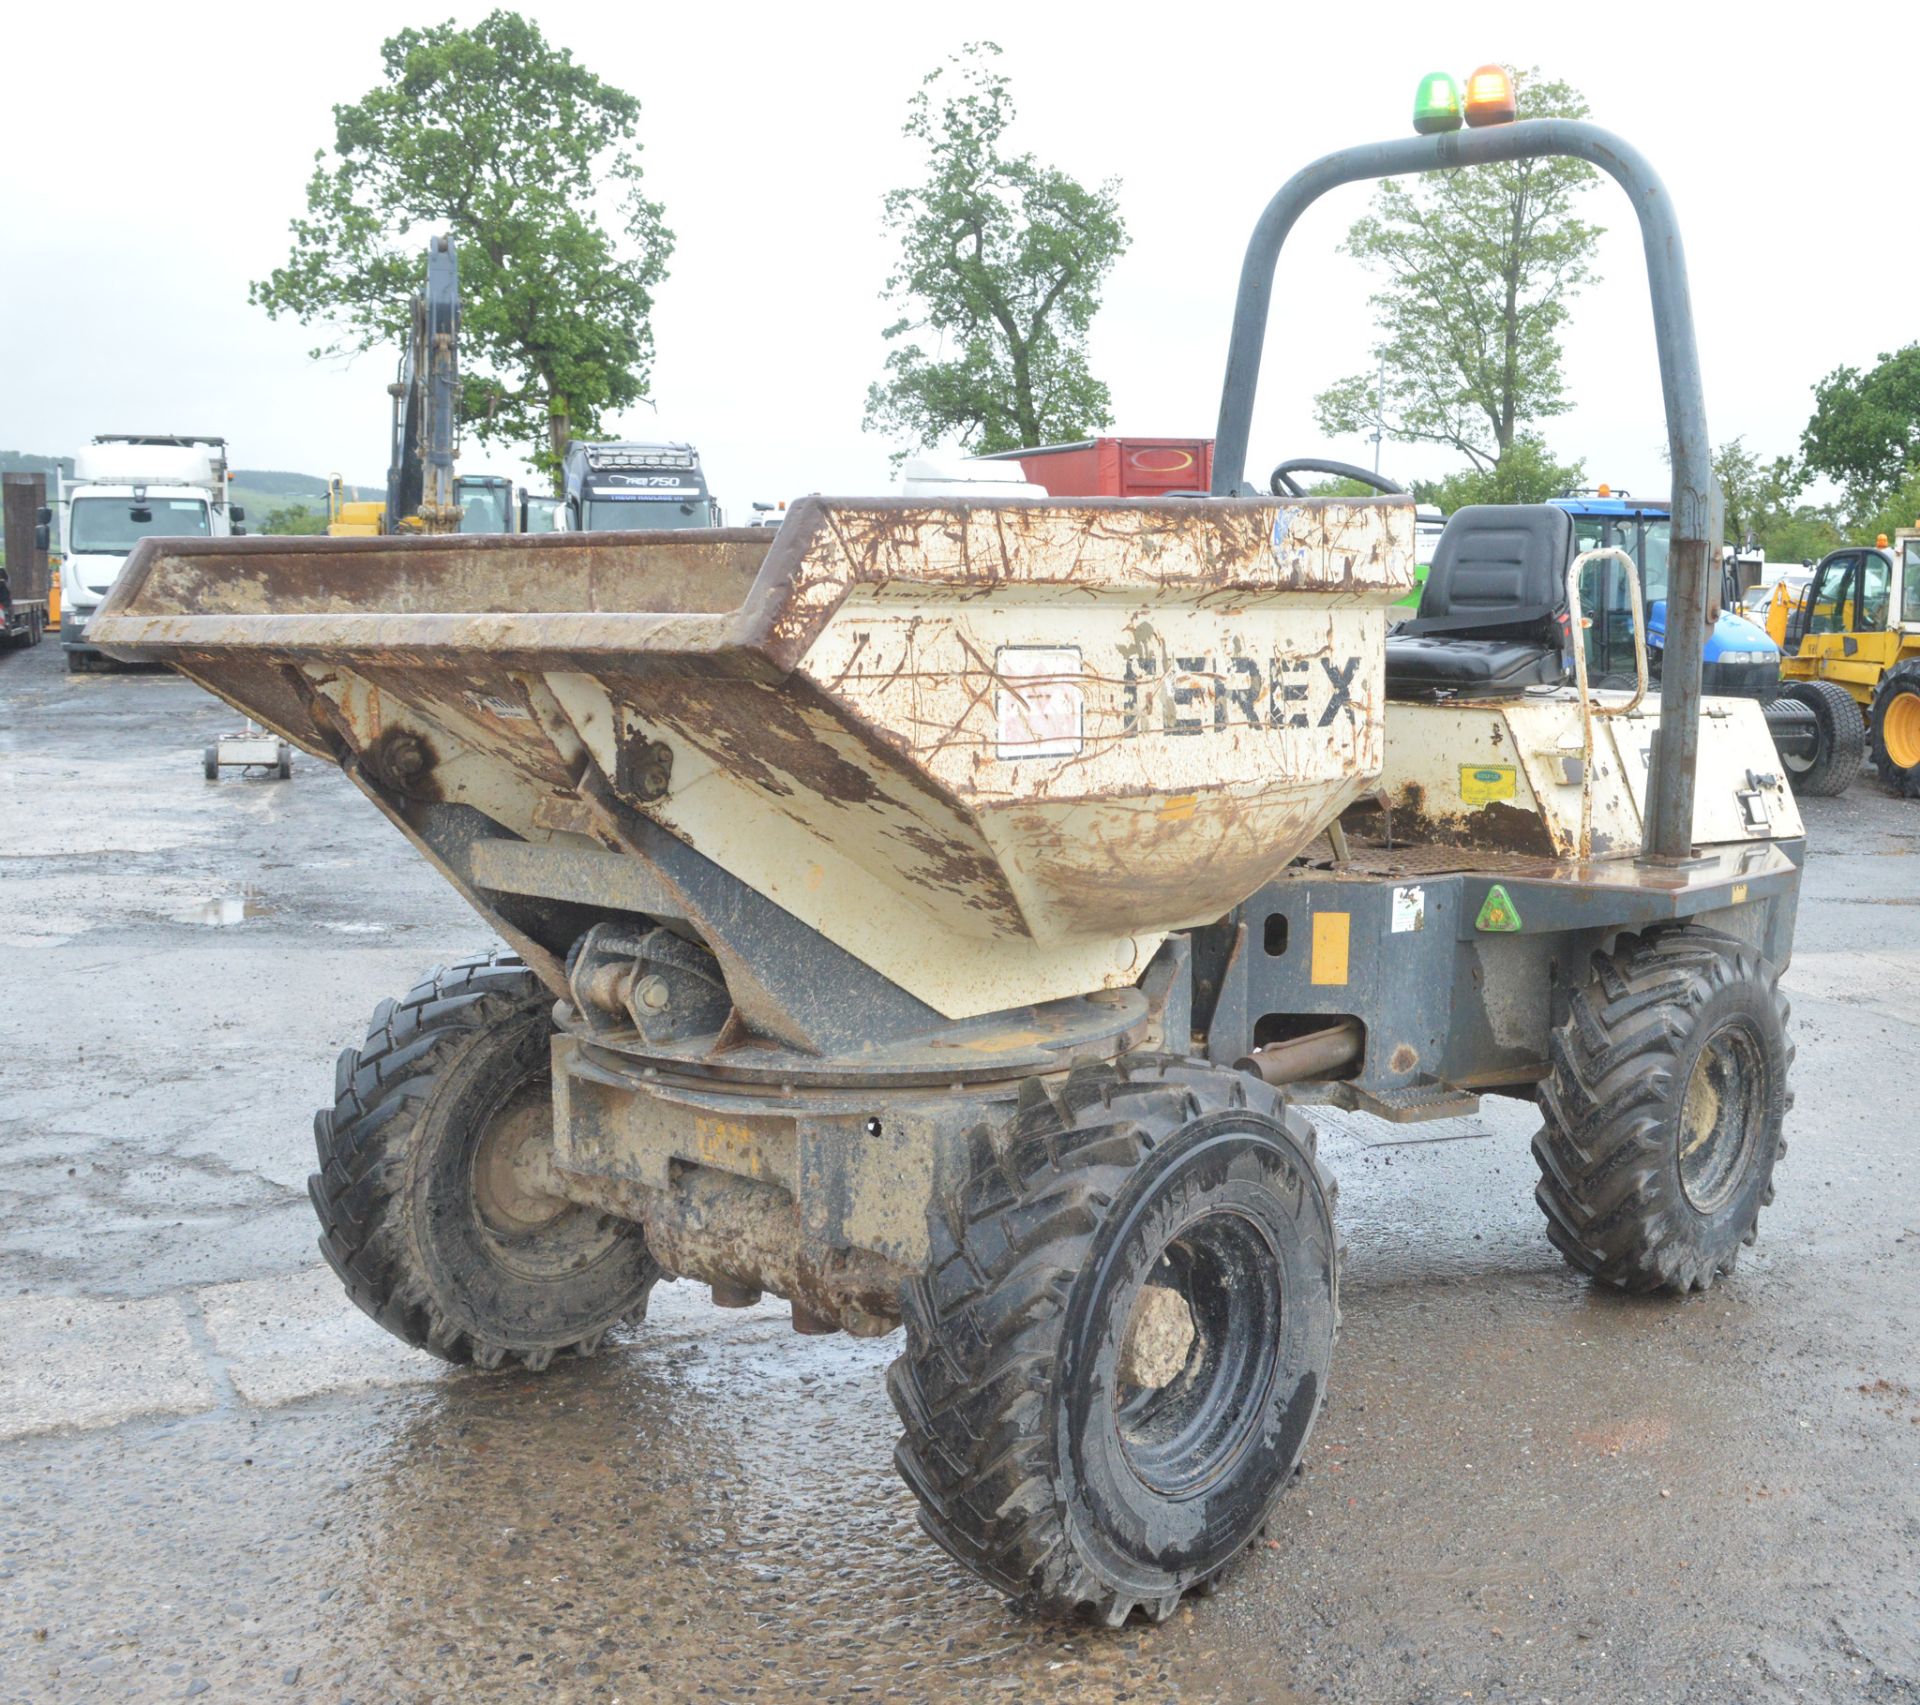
(1319, 1053)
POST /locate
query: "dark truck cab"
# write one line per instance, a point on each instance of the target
(636, 487)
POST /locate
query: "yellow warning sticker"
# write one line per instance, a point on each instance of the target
(1332, 935)
(1481, 784)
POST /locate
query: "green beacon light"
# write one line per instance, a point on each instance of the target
(1437, 106)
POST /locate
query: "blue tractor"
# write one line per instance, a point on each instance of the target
(1741, 660)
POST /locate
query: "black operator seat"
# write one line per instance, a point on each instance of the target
(1488, 625)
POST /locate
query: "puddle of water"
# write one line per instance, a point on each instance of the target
(224, 910)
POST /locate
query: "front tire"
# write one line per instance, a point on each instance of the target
(1663, 1111)
(1896, 730)
(1123, 1338)
(438, 1206)
(1841, 740)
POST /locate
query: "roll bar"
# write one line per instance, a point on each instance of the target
(1669, 834)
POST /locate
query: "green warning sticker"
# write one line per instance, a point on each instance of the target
(1498, 912)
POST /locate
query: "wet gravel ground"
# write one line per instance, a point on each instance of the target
(219, 1481)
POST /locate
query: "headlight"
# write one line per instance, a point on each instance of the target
(1743, 657)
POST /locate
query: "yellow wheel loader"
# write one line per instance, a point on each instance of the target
(1854, 634)
(943, 914)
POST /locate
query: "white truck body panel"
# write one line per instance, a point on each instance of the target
(151, 464)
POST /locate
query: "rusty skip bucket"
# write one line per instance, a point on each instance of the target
(995, 751)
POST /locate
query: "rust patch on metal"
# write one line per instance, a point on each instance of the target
(762, 738)
(951, 864)
(1494, 827)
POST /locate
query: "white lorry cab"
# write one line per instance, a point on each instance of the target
(125, 488)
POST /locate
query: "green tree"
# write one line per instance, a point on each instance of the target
(1763, 506)
(1865, 430)
(1002, 260)
(1526, 473)
(1479, 266)
(1806, 535)
(1336, 485)
(1756, 494)
(1900, 508)
(294, 518)
(516, 149)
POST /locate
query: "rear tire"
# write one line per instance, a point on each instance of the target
(1842, 746)
(1895, 726)
(1122, 1339)
(210, 762)
(1663, 1111)
(435, 1193)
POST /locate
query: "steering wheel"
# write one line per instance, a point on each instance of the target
(1283, 484)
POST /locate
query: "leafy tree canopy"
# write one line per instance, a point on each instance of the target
(1002, 261)
(1479, 264)
(1865, 430)
(1764, 507)
(1900, 508)
(529, 160)
(1757, 494)
(1337, 485)
(1526, 473)
(294, 518)
(1805, 535)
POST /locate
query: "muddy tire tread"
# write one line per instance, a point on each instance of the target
(1613, 1063)
(380, 1088)
(980, 1319)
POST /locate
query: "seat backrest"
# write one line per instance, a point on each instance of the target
(1499, 570)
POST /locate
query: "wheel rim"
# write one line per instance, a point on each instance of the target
(1900, 729)
(528, 1225)
(1720, 1117)
(1195, 1370)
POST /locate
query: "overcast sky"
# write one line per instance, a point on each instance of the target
(148, 176)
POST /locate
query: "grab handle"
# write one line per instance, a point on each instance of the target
(1576, 626)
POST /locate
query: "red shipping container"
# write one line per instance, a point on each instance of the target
(1118, 467)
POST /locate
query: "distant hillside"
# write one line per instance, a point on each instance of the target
(261, 491)
(282, 484)
(22, 462)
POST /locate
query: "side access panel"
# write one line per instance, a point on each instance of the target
(1457, 975)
